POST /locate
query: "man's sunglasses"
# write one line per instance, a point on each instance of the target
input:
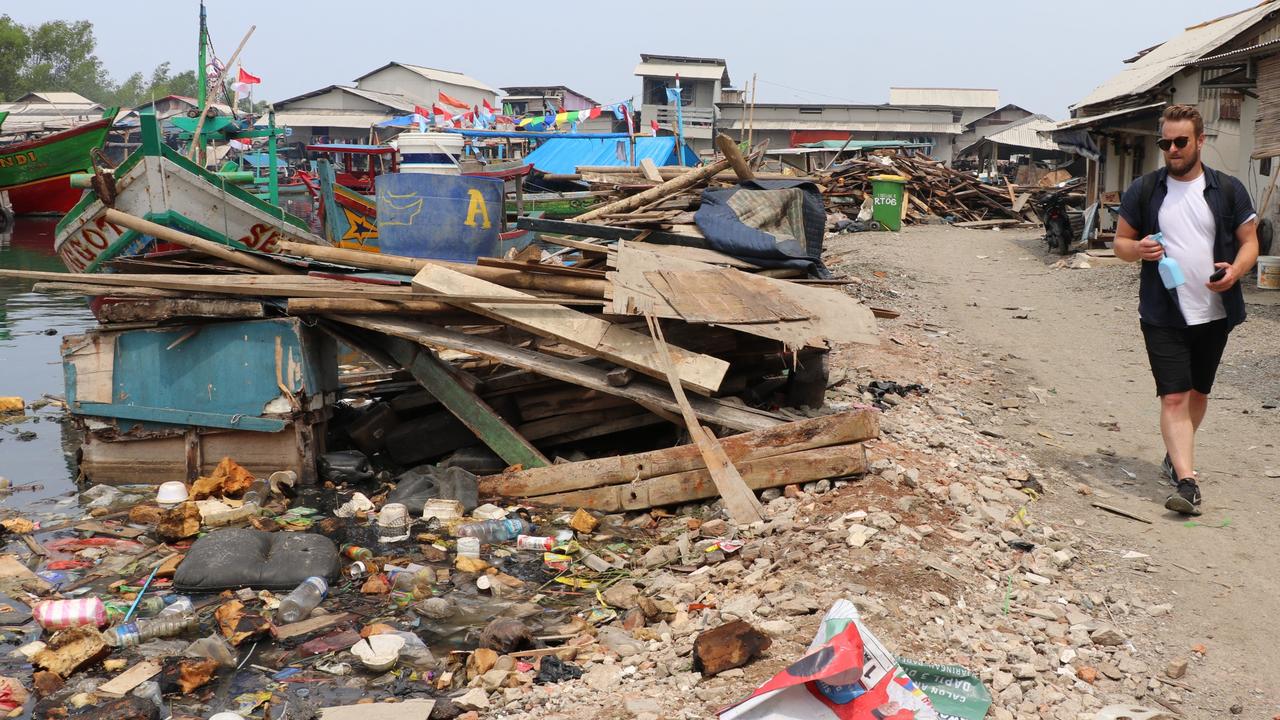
(1165, 143)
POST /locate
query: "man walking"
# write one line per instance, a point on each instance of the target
(1209, 230)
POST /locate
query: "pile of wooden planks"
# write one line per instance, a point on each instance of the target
(933, 190)
(585, 347)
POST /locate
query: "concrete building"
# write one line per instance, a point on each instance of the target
(341, 113)
(790, 125)
(1228, 66)
(993, 122)
(702, 81)
(968, 104)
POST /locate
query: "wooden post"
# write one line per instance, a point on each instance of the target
(213, 249)
(474, 412)
(731, 153)
(657, 192)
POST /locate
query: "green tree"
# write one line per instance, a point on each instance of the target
(15, 45)
(60, 57)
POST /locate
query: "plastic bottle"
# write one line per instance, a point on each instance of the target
(178, 604)
(355, 552)
(491, 531)
(298, 604)
(1170, 271)
(136, 633)
(257, 492)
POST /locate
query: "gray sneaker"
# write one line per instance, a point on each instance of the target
(1186, 501)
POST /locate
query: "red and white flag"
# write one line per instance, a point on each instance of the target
(654, 124)
(243, 81)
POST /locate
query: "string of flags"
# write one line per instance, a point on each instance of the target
(448, 111)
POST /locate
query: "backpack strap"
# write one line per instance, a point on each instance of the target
(1144, 200)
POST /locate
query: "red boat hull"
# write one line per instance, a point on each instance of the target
(50, 196)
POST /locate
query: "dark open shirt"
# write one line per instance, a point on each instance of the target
(1158, 305)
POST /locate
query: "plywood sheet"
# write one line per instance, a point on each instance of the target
(92, 357)
(834, 316)
(724, 295)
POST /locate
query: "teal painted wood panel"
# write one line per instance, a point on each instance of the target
(216, 374)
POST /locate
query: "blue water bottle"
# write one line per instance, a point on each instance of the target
(1170, 271)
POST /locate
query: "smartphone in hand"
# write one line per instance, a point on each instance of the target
(1218, 275)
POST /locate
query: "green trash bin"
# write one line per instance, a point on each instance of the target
(887, 192)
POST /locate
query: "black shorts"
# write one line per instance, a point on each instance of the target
(1185, 358)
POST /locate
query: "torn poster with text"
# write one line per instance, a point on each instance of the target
(847, 674)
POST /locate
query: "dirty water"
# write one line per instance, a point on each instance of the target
(31, 329)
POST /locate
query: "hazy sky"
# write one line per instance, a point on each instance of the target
(1041, 55)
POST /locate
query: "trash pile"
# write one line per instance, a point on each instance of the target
(933, 190)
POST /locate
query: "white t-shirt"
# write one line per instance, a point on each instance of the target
(1188, 227)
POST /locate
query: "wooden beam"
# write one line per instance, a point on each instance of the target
(199, 244)
(594, 335)
(730, 150)
(667, 188)
(650, 170)
(792, 437)
(159, 309)
(716, 412)
(585, 287)
(792, 468)
(465, 405)
(607, 232)
(739, 502)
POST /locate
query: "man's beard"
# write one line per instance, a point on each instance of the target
(1183, 166)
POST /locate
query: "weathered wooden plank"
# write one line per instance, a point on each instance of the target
(792, 468)
(591, 334)
(841, 429)
(474, 412)
(669, 187)
(129, 679)
(716, 412)
(585, 287)
(724, 295)
(160, 309)
(739, 502)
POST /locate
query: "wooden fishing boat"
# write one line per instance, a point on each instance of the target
(159, 184)
(36, 173)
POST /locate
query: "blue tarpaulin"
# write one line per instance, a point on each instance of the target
(563, 155)
(772, 223)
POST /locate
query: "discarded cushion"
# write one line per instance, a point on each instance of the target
(771, 223)
(243, 557)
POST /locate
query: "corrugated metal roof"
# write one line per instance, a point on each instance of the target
(684, 70)
(1025, 133)
(945, 97)
(449, 76)
(1095, 119)
(894, 127)
(858, 144)
(1162, 62)
(58, 98)
(343, 120)
(1265, 48)
(563, 156)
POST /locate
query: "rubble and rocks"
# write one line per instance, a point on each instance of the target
(728, 646)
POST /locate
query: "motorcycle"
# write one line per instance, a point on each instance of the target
(1063, 212)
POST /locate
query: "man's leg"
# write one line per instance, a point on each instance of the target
(1199, 403)
(1178, 428)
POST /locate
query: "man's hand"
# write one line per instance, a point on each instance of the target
(1228, 278)
(1149, 249)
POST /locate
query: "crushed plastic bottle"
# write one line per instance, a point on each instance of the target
(298, 604)
(178, 605)
(136, 633)
(492, 531)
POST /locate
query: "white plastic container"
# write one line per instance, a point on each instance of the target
(1269, 272)
(393, 523)
(433, 153)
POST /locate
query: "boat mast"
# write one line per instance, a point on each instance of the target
(201, 76)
